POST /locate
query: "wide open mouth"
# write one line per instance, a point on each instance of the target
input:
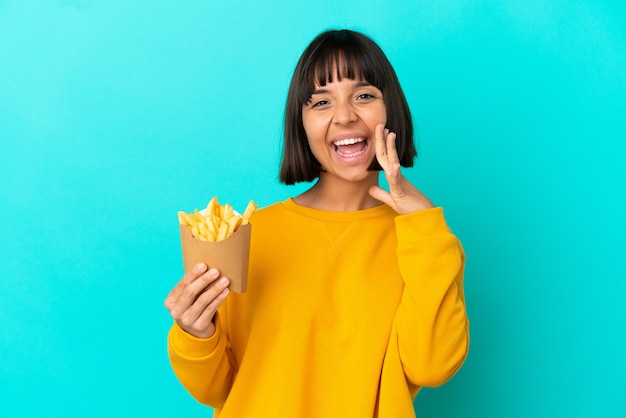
(351, 147)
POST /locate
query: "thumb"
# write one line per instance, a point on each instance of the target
(380, 194)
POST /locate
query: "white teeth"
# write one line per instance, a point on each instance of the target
(348, 141)
(350, 155)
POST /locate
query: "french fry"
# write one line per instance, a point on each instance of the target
(223, 231)
(204, 230)
(233, 224)
(248, 212)
(212, 230)
(212, 207)
(216, 222)
(227, 213)
(183, 218)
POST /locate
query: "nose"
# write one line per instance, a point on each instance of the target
(344, 113)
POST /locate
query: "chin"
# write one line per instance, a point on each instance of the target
(360, 176)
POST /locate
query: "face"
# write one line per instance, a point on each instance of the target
(339, 121)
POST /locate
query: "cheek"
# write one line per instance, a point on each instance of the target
(382, 115)
(310, 136)
(307, 124)
(308, 131)
(314, 128)
(375, 116)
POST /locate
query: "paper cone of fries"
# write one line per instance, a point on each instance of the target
(229, 256)
(219, 237)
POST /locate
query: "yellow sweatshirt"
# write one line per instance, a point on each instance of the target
(347, 314)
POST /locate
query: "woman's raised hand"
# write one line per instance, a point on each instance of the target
(402, 196)
(195, 299)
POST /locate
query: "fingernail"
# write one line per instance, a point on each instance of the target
(201, 267)
(223, 281)
(214, 272)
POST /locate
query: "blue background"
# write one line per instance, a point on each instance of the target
(116, 114)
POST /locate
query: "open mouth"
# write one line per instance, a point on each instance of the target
(351, 147)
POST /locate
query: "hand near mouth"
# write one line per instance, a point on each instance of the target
(402, 196)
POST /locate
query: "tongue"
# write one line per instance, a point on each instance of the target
(352, 148)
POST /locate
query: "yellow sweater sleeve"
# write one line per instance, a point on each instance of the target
(431, 326)
(203, 365)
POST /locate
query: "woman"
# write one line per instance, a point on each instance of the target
(355, 295)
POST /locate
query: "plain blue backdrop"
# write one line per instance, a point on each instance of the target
(114, 115)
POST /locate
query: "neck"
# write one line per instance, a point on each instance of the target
(337, 195)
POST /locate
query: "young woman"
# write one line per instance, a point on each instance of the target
(355, 294)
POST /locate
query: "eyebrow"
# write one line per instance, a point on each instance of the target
(357, 85)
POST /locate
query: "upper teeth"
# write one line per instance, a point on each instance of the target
(348, 141)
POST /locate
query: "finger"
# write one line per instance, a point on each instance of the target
(189, 291)
(208, 301)
(381, 148)
(381, 195)
(206, 317)
(392, 152)
(392, 171)
(392, 168)
(189, 277)
(394, 179)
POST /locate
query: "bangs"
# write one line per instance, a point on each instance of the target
(340, 58)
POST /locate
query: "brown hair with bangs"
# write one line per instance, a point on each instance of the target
(350, 55)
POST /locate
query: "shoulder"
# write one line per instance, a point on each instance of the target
(268, 211)
(268, 215)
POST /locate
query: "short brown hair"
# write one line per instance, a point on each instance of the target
(360, 58)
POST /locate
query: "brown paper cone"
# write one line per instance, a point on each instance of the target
(229, 256)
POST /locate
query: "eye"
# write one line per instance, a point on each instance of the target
(318, 103)
(365, 96)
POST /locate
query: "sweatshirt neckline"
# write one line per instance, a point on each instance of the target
(377, 211)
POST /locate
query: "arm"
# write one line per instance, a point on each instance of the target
(431, 329)
(431, 323)
(202, 365)
(197, 343)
